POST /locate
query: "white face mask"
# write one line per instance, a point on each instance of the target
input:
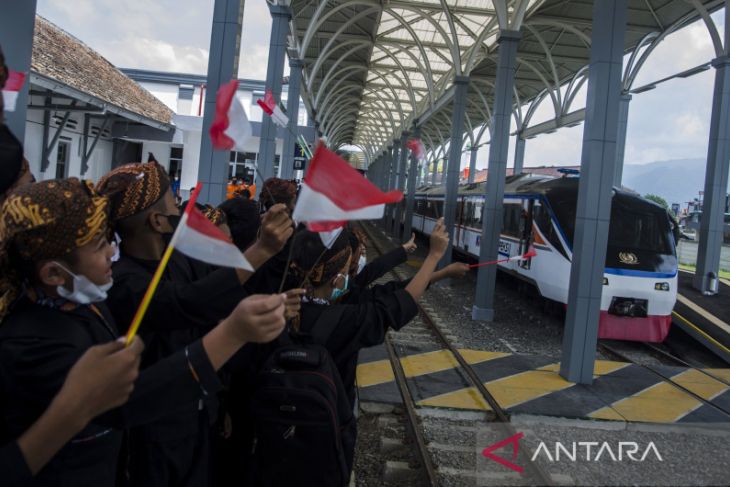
(84, 291)
(361, 263)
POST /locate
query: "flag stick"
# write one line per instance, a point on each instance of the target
(482, 264)
(152, 287)
(529, 254)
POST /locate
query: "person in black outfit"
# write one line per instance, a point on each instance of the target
(362, 324)
(190, 299)
(55, 268)
(243, 220)
(365, 273)
(102, 379)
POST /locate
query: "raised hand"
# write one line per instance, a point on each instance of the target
(259, 318)
(101, 379)
(439, 240)
(457, 270)
(293, 302)
(276, 228)
(410, 246)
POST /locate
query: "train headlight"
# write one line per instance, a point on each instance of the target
(661, 286)
(605, 281)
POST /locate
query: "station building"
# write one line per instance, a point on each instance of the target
(85, 116)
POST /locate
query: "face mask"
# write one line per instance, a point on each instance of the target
(337, 293)
(84, 291)
(361, 263)
(174, 221)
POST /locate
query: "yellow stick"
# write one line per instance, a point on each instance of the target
(148, 294)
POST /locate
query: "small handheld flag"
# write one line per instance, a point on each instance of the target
(531, 252)
(196, 237)
(416, 147)
(333, 192)
(230, 127)
(13, 85)
(271, 108)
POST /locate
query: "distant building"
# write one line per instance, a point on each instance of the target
(81, 108)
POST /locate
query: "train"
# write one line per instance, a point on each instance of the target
(640, 275)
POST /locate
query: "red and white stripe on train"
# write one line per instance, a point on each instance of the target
(640, 277)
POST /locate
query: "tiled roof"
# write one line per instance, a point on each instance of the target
(63, 58)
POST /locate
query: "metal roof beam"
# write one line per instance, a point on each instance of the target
(569, 120)
(483, 12)
(443, 100)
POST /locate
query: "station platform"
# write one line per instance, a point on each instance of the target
(530, 384)
(706, 318)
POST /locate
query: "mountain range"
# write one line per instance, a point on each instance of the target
(677, 181)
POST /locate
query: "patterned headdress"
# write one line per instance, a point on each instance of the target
(215, 215)
(132, 188)
(313, 261)
(277, 190)
(46, 220)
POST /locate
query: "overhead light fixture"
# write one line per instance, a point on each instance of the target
(644, 88)
(693, 71)
(574, 124)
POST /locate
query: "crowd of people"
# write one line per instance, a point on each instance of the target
(237, 377)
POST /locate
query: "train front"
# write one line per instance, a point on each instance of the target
(640, 280)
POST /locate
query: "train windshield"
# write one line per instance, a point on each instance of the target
(636, 225)
(639, 226)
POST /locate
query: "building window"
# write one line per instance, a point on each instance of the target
(176, 158)
(242, 165)
(62, 159)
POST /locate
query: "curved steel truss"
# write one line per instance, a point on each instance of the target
(373, 69)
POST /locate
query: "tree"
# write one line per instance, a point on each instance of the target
(658, 200)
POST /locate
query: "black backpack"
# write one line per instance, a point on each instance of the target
(300, 411)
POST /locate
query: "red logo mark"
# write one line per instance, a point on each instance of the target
(515, 440)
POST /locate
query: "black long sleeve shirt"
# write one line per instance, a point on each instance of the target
(38, 346)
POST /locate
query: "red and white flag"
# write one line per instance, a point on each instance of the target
(531, 252)
(230, 127)
(13, 86)
(416, 147)
(333, 192)
(269, 105)
(200, 239)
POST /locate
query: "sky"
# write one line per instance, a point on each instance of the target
(669, 122)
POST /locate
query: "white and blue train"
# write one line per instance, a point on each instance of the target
(640, 276)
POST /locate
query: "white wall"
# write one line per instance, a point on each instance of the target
(191, 155)
(167, 93)
(161, 151)
(99, 163)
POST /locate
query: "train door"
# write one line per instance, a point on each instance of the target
(459, 223)
(526, 231)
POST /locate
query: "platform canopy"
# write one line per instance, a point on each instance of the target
(375, 68)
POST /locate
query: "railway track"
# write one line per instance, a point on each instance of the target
(431, 473)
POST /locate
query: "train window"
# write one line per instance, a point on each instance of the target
(418, 210)
(565, 213)
(635, 227)
(435, 209)
(469, 214)
(478, 205)
(541, 217)
(512, 221)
